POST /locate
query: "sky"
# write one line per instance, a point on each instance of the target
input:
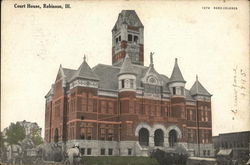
(212, 43)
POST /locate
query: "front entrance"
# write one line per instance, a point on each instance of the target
(158, 137)
(143, 137)
(172, 139)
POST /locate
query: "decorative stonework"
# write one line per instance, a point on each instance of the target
(107, 93)
(176, 128)
(143, 125)
(84, 83)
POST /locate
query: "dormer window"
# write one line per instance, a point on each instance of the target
(123, 83)
(118, 39)
(135, 39)
(130, 38)
(174, 90)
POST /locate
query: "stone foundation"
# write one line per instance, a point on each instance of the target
(133, 148)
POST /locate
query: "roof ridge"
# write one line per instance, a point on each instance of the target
(69, 69)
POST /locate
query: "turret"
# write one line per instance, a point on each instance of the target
(84, 76)
(127, 76)
(177, 82)
(199, 92)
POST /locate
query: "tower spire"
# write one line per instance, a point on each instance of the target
(84, 57)
(151, 59)
(176, 75)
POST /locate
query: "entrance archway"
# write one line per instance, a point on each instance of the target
(158, 137)
(143, 137)
(172, 138)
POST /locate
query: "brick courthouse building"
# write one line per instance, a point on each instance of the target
(127, 108)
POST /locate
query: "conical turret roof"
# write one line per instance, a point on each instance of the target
(176, 75)
(127, 67)
(84, 71)
(198, 89)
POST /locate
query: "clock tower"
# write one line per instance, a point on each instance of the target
(127, 39)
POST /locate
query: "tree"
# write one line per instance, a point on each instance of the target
(15, 133)
(36, 137)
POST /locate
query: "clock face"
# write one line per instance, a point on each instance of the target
(152, 80)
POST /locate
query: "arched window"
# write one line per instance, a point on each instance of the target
(143, 137)
(158, 137)
(172, 138)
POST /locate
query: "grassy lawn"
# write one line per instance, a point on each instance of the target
(118, 160)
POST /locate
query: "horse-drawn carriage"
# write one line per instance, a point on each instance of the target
(43, 154)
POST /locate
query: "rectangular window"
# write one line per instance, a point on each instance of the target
(135, 39)
(89, 151)
(103, 107)
(82, 150)
(119, 38)
(204, 152)
(191, 114)
(182, 91)
(208, 152)
(110, 134)
(129, 151)
(102, 151)
(110, 151)
(82, 133)
(111, 107)
(123, 84)
(116, 40)
(103, 134)
(131, 83)
(130, 37)
(89, 136)
(90, 105)
(174, 90)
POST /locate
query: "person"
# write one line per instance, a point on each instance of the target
(74, 154)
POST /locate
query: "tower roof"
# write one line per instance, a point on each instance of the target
(128, 17)
(127, 67)
(84, 71)
(176, 74)
(198, 89)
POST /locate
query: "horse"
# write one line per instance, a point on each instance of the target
(74, 156)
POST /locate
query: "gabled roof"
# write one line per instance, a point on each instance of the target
(84, 71)
(151, 71)
(127, 67)
(68, 73)
(176, 75)
(198, 89)
(128, 17)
